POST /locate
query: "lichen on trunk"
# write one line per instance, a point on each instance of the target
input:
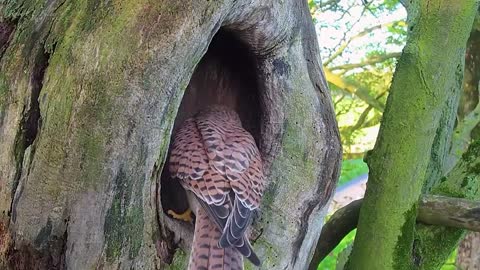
(89, 94)
(436, 243)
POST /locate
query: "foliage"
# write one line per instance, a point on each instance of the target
(360, 41)
(427, 76)
(331, 260)
(362, 55)
(450, 263)
(352, 168)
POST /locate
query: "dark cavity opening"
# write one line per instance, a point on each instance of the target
(6, 30)
(227, 75)
(31, 119)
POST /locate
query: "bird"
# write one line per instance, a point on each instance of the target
(219, 165)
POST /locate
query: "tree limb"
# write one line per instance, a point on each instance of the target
(461, 135)
(340, 224)
(344, 45)
(369, 61)
(326, 5)
(403, 148)
(404, 3)
(450, 212)
(432, 210)
(329, 3)
(361, 121)
(359, 91)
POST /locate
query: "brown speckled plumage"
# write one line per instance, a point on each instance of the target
(216, 159)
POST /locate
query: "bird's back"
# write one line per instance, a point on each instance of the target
(219, 162)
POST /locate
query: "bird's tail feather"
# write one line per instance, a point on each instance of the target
(206, 253)
(219, 214)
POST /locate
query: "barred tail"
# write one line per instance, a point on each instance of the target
(206, 253)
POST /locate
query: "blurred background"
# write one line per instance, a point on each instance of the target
(360, 41)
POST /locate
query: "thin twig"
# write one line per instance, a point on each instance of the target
(363, 33)
(369, 61)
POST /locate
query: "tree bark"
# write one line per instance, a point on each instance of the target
(447, 155)
(468, 257)
(432, 210)
(90, 92)
(424, 78)
(449, 212)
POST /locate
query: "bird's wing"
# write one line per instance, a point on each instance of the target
(189, 163)
(213, 156)
(234, 155)
(247, 183)
(187, 157)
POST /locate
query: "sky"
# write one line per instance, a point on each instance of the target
(331, 27)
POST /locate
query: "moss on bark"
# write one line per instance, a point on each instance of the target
(117, 71)
(424, 78)
(436, 243)
(103, 73)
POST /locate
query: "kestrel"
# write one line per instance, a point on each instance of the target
(217, 161)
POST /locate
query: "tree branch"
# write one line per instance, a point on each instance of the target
(369, 61)
(344, 37)
(450, 212)
(461, 135)
(403, 148)
(432, 210)
(340, 224)
(344, 45)
(359, 91)
(461, 181)
(404, 4)
(361, 120)
(329, 4)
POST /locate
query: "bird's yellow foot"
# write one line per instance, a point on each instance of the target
(186, 216)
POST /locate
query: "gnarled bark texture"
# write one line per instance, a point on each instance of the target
(89, 94)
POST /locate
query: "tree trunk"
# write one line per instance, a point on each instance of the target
(90, 92)
(424, 79)
(468, 256)
(469, 98)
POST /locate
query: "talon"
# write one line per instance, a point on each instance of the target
(186, 216)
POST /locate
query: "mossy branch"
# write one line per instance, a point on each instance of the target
(352, 88)
(449, 212)
(368, 62)
(423, 80)
(343, 221)
(432, 210)
(455, 205)
(461, 135)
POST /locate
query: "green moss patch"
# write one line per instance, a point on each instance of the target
(124, 220)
